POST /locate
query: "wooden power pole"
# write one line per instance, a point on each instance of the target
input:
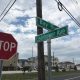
(40, 45)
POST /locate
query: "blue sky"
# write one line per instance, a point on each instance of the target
(20, 22)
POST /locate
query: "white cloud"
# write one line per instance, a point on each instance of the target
(26, 4)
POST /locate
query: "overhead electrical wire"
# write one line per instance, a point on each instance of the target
(62, 7)
(7, 10)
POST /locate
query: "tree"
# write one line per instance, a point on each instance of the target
(24, 69)
(57, 68)
(75, 68)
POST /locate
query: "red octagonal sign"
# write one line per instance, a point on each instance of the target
(8, 46)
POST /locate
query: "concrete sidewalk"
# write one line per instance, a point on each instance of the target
(13, 72)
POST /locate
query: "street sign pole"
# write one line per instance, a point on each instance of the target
(1, 67)
(40, 45)
(49, 59)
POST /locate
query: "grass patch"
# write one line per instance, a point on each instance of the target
(33, 76)
(64, 73)
(26, 76)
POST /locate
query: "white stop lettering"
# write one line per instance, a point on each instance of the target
(7, 46)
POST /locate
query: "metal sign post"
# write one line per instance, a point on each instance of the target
(1, 67)
(49, 59)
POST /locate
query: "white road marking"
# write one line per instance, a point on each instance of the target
(72, 78)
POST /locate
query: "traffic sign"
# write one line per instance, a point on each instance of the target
(8, 46)
(44, 24)
(53, 34)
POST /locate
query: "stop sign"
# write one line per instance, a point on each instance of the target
(8, 46)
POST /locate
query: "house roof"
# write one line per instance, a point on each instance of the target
(66, 62)
(77, 64)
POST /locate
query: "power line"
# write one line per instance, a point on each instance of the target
(62, 7)
(72, 17)
(7, 10)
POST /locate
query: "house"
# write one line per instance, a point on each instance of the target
(34, 61)
(11, 64)
(24, 62)
(27, 64)
(66, 65)
(78, 66)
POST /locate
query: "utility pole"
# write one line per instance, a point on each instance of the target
(40, 45)
(53, 59)
(73, 61)
(32, 59)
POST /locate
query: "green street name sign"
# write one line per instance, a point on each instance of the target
(53, 34)
(44, 24)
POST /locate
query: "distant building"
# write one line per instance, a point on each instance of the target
(78, 66)
(11, 64)
(66, 65)
(54, 61)
(24, 62)
(34, 61)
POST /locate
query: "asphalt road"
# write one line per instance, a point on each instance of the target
(75, 76)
